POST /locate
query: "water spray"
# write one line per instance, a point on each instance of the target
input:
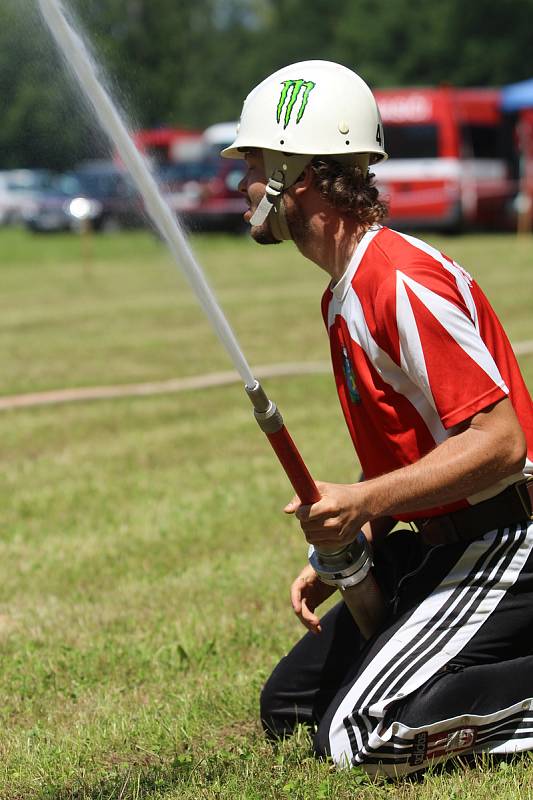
(348, 568)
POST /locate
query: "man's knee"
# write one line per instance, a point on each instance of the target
(304, 682)
(284, 704)
(280, 708)
(270, 708)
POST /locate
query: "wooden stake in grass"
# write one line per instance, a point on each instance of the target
(87, 249)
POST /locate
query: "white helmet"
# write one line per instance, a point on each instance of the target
(308, 109)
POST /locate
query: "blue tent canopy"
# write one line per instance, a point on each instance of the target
(517, 95)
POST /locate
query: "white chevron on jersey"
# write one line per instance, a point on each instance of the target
(351, 310)
(460, 328)
(463, 278)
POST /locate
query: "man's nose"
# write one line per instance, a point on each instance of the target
(243, 184)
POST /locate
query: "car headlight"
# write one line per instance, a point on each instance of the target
(82, 208)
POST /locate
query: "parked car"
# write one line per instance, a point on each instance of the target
(98, 193)
(204, 193)
(19, 190)
(203, 189)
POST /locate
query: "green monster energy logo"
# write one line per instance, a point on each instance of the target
(289, 95)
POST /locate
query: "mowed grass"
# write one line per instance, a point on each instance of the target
(144, 559)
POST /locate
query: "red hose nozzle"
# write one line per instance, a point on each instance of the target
(271, 423)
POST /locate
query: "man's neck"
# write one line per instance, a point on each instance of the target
(332, 246)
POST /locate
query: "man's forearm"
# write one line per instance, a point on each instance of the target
(464, 464)
(489, 447)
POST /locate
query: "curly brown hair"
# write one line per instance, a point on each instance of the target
(348, 190)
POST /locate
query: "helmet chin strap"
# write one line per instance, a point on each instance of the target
(272, 208)
(278, 222)
(270, 199)
(283, 169)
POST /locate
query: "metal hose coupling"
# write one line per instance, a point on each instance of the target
(266, 412)
(345, 567)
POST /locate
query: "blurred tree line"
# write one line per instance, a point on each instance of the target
(191, 62)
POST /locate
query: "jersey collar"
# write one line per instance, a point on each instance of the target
(340, 288)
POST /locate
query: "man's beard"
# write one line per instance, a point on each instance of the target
(298, 226)
(263, 235)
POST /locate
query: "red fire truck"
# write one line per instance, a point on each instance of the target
(450, 158)
(167, 145)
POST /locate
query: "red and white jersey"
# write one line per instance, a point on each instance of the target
(416, 349)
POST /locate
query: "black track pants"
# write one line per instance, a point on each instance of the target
(450, 673)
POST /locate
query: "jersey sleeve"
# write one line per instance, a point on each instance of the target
(431, 330)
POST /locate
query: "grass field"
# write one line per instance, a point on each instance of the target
(144, 561)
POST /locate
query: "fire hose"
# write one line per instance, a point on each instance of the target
(348, 568)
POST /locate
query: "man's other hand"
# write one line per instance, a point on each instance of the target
(307, 593)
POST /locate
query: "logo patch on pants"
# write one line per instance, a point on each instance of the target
(440, 744)
(446, 743)
(452, 741)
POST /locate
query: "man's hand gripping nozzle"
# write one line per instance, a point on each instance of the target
(348, 568)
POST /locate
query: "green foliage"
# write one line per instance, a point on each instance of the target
(43, 123)
(191, 64)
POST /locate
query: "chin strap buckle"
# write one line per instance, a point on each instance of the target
(273, 191)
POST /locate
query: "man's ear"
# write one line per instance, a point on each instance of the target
(304, 180)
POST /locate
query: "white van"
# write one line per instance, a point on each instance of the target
(220, 135)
